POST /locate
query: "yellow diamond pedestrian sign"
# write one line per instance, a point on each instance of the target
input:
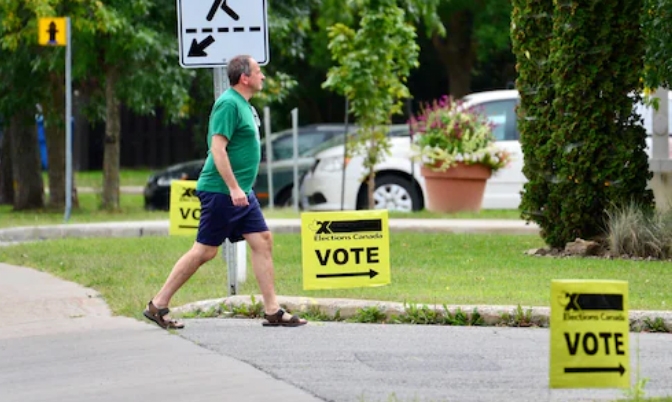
(52, 31)
(589, 334)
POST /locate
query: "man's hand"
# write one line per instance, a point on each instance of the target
(239, 198)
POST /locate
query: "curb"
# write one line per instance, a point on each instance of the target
(118, 229)
(161, 228)
(348, 308)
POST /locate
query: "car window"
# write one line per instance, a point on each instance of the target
(283, 147)
(335, 140)
(503, 115)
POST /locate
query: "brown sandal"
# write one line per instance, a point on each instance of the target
(276, 320)
(156, 314)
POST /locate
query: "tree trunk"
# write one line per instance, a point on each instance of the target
(55, 134)
(112, 147)
(6, 179)
(56, 157)
(26, 169)
(370, 188)
(371, 184)
(456, 52)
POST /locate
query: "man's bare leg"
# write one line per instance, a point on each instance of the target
(261, 245)
(184, 268)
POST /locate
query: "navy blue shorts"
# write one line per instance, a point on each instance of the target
(221, 220)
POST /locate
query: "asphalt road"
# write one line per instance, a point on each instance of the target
(370, 362)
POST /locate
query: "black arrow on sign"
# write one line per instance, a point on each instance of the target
(198, 49)
(52, 31)
(370, 274)
(227, 9)
(585, 370)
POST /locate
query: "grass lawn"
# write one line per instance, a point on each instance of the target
(425, 268)
(94, 178)
(131, 210)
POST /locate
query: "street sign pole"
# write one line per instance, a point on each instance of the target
(55, 31)
(68, 121)
(295, 140)
(269, 156)
(234, 254)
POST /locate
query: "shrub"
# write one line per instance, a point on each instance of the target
(638, 232)
(591, 152)
(531, 30)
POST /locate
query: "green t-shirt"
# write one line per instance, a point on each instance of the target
(233, 117)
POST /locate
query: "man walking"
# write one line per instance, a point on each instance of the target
(229, 208)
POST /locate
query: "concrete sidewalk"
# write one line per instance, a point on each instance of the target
(59, 342)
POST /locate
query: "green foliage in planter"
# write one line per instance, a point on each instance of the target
(531, 32)
(447, 132)
(591, 155)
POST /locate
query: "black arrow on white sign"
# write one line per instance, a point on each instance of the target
(198, 49)
(587, 370)
(371, 273)
(227, 9)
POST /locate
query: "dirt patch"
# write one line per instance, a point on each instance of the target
(585, 249)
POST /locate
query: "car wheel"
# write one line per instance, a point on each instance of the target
(285, 199)
(394, 193)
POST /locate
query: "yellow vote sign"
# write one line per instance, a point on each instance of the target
(345, 249)
(589, 334)
(185, 208)
(52, 31)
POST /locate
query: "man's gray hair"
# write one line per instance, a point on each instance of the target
(238, 66)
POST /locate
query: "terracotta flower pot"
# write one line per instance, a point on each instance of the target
(459, 188)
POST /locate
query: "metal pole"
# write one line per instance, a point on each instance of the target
(269, 156)
(345, 153)
(221, 84)
(68, 121)
(295, 138)
(660, 126)
(409, 111)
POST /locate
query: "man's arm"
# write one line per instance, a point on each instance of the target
(221, 157)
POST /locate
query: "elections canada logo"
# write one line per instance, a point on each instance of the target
(347, 230)
(592, 307)
(188, 194)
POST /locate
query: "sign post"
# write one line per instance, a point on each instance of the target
(55, 31)
(295, 170)
(230, 251)
(590, 330)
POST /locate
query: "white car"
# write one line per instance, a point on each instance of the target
(399, 184)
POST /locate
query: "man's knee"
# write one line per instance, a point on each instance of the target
(203, 253)
(260, 242)
(267, 238)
